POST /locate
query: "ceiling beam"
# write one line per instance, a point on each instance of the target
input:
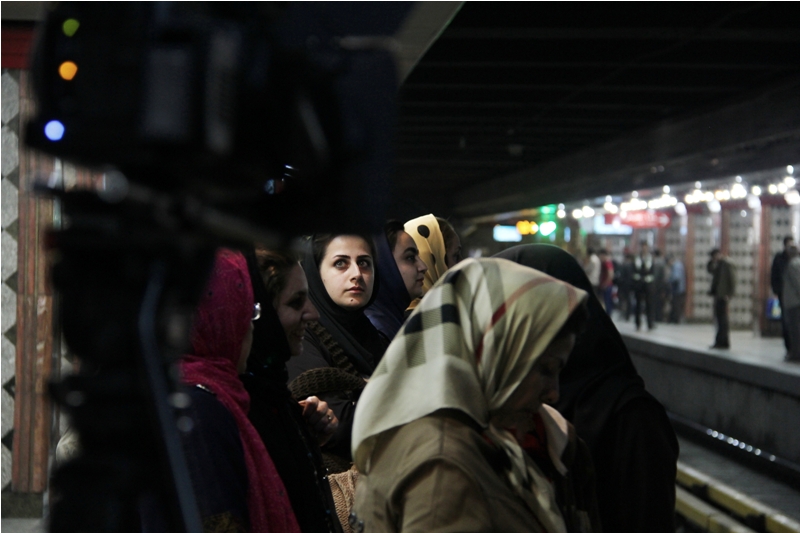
(766, 35)
(565, 87)
(438, 65)
(423, 26)
(757, 134)
(535, 105)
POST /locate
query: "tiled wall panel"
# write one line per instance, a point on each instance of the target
(704, 242)
(10, 235)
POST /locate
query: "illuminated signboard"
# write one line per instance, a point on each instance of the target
(506, 234)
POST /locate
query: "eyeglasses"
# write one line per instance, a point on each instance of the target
(256, 311)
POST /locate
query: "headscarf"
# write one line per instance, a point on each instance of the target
(387, 312)
(469, 344)
(220, 324)
(349, 327)
(428, 237)
(270, 350)
(599, 377)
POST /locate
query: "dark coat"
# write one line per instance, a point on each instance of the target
(776, 275)
(627, 430)
(723, 281)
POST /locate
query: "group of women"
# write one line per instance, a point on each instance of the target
(443, 390)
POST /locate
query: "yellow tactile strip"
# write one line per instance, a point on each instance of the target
(720, 494)
(705, 516)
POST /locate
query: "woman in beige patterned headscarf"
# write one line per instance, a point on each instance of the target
(439, 430)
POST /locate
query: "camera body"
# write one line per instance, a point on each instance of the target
(252, 108)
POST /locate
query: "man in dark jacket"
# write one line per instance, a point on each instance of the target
(723, 288)
(776, 281)
(644, 285)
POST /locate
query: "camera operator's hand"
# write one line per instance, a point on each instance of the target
(320, 418)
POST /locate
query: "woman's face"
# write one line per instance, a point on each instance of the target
(452, 251)
(541, 384)
(347, 271)
(294, 308)
(412, 268)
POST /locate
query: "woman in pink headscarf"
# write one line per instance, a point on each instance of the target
(237, 486)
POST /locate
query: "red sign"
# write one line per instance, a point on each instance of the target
(642, 219)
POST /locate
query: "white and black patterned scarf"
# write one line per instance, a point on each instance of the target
(468, 345)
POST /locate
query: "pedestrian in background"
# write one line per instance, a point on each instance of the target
(661, 285)
(625, 285)
(677, 283)
(791, 302)
(723, 288)
(776, 281)
(644, 285)
(593, 267)
(607, 281)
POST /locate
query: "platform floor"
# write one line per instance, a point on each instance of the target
(745, 345)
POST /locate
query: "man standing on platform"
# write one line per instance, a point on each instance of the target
(723, 288)
(677, 283)
(643, 285)
(776, 281)
(790, 303)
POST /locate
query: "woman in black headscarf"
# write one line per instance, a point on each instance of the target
(633, 445)
(402, 277)
(286, 427)
(342, 349)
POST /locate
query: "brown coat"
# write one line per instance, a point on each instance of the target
(438, 474)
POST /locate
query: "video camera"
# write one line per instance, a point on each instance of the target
(215, 123)
(267, 111)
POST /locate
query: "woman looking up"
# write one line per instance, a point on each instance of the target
(236, 484)
(402, 276)
(438, 244)
(631, 440)
(342, 349)
(291, 431)
(443, 427)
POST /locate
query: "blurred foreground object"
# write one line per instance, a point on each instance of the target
(215, 124)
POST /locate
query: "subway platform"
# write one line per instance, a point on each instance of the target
(747, 393)
(736, 411)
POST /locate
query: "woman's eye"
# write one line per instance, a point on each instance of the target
(411, 259)
(339, 264)
(296, 303)
(365, 263)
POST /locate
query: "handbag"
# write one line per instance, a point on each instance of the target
(774, 309)
(343, 488)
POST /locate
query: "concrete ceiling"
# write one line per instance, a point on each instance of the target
(510, 105)
(522, 104)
